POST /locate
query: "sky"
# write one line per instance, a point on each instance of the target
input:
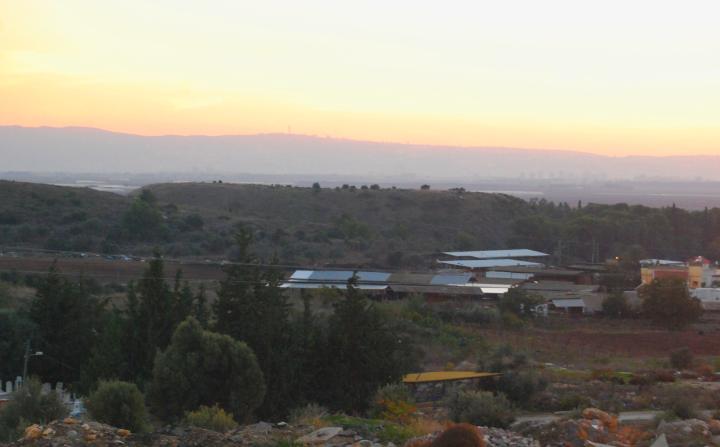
(614, 77)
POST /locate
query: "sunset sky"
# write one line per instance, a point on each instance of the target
(612, 77)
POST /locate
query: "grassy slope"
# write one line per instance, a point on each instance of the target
(360, 227)
(304, 226)
(35, 215)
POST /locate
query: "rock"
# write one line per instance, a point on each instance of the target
(33, 432)
(714, 426)
(320, 436)
(70, 421)
(661, 441)
(261, 427)
(678, 432)
(48, 432)
(281, 425)
(123, 432)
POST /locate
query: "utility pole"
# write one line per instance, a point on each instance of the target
(26, 358)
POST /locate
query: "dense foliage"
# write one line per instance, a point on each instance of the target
(29, 405)
(480, 408)
(120, 404)
(211, 418)
(381, 227)
(205, 368)
(668, 303)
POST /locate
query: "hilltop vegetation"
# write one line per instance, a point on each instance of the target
(366, 225)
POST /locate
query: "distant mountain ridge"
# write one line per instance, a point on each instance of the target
(76, 149)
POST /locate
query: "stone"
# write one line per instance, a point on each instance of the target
(70, 421)
(123, 432)
(714, 426)
(48, 432)
(261, 427)
(33, 432)
(661, 441)
(320, 436)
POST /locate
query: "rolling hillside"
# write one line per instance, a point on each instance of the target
(347, 226)
(356, 226)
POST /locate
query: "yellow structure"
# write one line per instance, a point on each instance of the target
(445, 376)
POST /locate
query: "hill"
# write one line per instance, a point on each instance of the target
(366, 226)
(92, 150)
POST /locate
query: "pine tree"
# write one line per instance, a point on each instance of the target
(363, 352)
(153, 313)
(252, 308)
(67, 317)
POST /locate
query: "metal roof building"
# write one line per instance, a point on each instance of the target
(489, 263)
(317, 279)
(495, 254)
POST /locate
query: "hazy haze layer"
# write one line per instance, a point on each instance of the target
(93, 150)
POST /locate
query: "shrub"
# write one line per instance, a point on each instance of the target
(681, 358)
(393, 402)
(520, 387)
(616, 305)
(28, 406)
(680, 403)
(120, 404)
(211, 418)
(310, 414)
(481, 408)
(200, 367)
(573, 401)
(667, 302)
(662, 375)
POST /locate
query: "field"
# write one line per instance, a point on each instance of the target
(591, 342)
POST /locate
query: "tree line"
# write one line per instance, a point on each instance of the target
(248, 351)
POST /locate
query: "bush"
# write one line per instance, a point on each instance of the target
(393, 402)
(120, 404)
(521, 387)
(29, 406)
(211, 418)
(310, 414)
(616, 305)
(680, 403)
(481, 408)
(667, 302)
(681, 358)
(200, 367)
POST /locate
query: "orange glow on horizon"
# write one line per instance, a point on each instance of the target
(511, 75)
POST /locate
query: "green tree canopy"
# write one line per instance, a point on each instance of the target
(668, 303)
(200, 367)
(67, 318)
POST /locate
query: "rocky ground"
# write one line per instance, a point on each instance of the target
(594, 428)
(71, 433)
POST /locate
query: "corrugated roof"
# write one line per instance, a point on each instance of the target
(570, 302)
(344, 275)
(493, 254)
(661, 262)
(509, 275)
(446, 376)
(559, 286)
(330, 285)
(411, 278)
(490, 263)
(451, 278)
(443, 290)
